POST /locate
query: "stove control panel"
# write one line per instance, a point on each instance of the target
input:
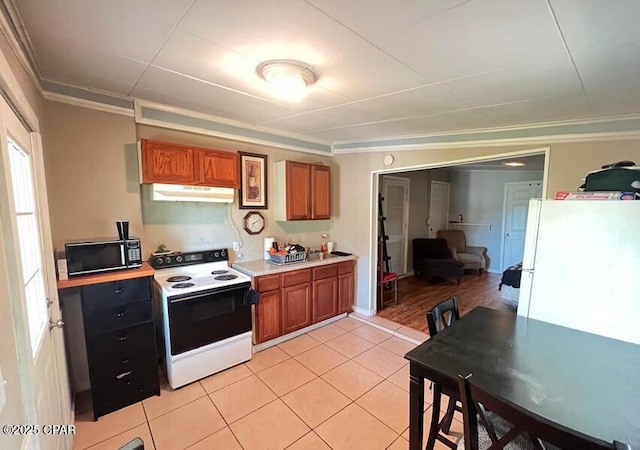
(188, 258)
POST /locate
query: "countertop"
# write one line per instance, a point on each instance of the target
(260, 267)
(145, 271)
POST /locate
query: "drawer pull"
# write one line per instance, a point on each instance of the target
(126, 361)
(123, 338)
(123, 374)
(120, 290)
(121, 313)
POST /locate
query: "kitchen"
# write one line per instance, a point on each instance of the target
(90, 147)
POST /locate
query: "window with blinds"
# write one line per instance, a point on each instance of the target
(29, 242)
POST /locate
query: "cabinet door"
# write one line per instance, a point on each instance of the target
(320, 192)
(267, 311)
(325, 299)
(296, 307)
(219, 169)
(345, 292)
(167, 163)
(298, 191)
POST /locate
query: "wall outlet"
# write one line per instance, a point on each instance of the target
(236, 246)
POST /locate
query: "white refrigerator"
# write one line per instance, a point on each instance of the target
(581, 266)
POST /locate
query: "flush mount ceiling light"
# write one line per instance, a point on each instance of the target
(289, 79)
(514, 164)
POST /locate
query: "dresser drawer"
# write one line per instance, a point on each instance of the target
(138, 370)
(105, 295)
(121, 343)
(113, 317)
(320, 273)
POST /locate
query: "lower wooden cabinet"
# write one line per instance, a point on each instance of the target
(296, 307)
(346, 287)
(298, 298)
(268, 316)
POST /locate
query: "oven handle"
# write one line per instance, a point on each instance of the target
(195, 296)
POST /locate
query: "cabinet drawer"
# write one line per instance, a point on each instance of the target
(104, 295)
(345, 267)
(322, 272)
(113, 317)
(104, 403)
(296, 277)
(114, 369)
(268, 283)
(120, 343)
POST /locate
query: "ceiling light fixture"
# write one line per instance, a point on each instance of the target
(289, 79)
(514, 164)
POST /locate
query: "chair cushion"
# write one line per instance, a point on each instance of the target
(469, 258)
(388, 276)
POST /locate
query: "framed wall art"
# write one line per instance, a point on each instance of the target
(253, 181)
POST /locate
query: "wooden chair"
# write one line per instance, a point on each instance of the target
(439, 318)
(526, 429)
(385, 279)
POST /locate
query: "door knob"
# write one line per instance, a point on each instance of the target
(57, 324)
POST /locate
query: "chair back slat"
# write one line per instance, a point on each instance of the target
(538, 428)
(442, 316)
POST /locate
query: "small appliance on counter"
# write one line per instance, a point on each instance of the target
(206, 314)
(98, 255)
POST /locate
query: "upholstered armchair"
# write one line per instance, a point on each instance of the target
(474, 258)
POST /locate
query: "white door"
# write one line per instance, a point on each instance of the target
(438, 207)
(29, 253)
(395, 207)
(516, 207)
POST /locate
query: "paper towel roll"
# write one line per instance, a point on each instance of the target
(268, 242)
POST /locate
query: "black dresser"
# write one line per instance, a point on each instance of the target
(120, 340)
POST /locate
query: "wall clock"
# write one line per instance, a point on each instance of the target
(253, 222)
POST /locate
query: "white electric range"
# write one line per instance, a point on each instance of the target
(206, 314)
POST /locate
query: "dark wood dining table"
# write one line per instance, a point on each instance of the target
(586, 382)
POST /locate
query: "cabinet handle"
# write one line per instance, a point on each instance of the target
(123, 374)
(120, 290)
(125, 361)
(123, 338)
(121, 313)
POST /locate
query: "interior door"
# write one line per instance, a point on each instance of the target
(438, 207)
(516, 201)
(395, 206)
(25, 227)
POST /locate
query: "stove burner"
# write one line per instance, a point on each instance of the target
(225, 277)
(219, 272)
(182, 285)
(178, 278)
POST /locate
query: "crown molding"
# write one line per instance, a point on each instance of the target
(13, 30)
(75, 101)
(164, 116)
(615, 128)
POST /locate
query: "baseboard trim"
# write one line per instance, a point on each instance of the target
(363, 311)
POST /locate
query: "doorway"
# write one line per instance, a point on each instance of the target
(395, 191)
(438, 207)
(27, 261)
(516, 209)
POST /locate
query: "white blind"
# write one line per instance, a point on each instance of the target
(29, 242)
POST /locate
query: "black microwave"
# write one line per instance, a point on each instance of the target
(102, 255)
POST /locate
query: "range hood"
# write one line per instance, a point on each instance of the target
(180, 193)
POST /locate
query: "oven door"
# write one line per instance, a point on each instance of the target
(201, 318)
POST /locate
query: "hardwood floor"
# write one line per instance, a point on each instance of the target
(416, 296)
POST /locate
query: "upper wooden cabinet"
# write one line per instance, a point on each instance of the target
(303, 191)
(163, 162)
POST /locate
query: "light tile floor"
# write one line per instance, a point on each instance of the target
(342, 386)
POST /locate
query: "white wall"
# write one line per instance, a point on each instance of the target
(479, 197)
